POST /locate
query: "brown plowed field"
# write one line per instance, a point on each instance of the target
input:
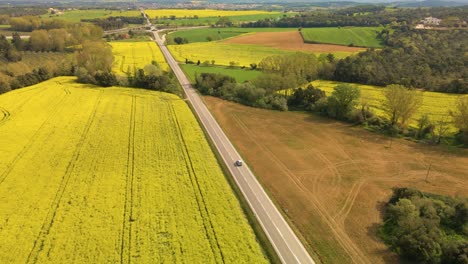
(332, 179)
(288, 41)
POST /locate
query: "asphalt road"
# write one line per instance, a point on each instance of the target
(287, 245)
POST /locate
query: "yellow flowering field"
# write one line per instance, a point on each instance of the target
(129, 56)
(224, 53)
(112, 175)
(435, 105)
(181, 13)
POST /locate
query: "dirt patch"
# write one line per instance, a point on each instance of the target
(288, 41)
(332, 179)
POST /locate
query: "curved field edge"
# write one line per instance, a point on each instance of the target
(112, 175)
(356, 36)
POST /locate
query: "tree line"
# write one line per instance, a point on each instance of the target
(426, 228)
(111, 23)
(272, 90)
(365, 16)
(433, 60)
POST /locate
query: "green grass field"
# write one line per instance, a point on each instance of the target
(241, 75)
(78, 15)
(202, 34)
(204, 21)
(358, 36)
(114, 175)
(224, 53)
(435, 105)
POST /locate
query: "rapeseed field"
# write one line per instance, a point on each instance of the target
(130, 56)
(224, 54)
(112, 175)
(435, 105)
(182, 13)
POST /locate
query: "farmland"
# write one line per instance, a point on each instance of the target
(331, 179)
(357, 36)
(248, 15)
(291, 41)
(113, 175)
(129, 56)
(181, 13)
(202, 34)
(78, 15)
(435, 105)
(224, 53)
(241, 75)
(204, 21)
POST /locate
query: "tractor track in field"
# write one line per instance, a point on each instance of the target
(336, 228)
(126, 238)
(209, 227)
(6, 115)
(49, 220)
(59, 105)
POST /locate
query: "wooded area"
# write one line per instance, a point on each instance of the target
(426, 228)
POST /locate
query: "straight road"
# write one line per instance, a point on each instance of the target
(287, 245)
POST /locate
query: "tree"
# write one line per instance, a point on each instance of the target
(460, 117)
(439, 129)
(342, 100)
(424, 126)
(400, 104)
(305, 98)
(17, 41)
(58, 39)
(95, 56)
(39, 40)
(180, 40)
(224, 22)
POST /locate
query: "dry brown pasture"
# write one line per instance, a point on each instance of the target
(332, 179)
(289, 41)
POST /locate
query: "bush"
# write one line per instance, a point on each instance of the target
(426, 228)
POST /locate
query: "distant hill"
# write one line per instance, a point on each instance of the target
(431, 3)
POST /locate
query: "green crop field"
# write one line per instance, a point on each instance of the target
(358, 36)
(202, 34)
(78, 15)
(129, 56)
(435, 105)
(204, 21)
(224, 53)
(241, 75)
(113, 175)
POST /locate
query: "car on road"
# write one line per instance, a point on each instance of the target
(238, 163)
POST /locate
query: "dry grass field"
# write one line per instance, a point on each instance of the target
(288, 41)
(331, 179)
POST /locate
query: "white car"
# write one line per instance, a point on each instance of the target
(238, 163)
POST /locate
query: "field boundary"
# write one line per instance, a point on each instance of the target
(260, 235)
(328, 43)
